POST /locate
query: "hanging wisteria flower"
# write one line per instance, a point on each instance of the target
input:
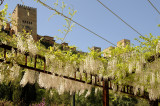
(45, 80)
(88, 93)
(158, 47)
(29, 76)
(31, 45)
(153, 93)
(1, 77)
(92, 65)
(14, 71)
(21, 43)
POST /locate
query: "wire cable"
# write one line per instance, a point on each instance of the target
(120, 18)
(154, 6)
(75, 22)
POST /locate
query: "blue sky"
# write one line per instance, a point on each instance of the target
(138, 13)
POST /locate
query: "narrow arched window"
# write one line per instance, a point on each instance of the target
(28, 13)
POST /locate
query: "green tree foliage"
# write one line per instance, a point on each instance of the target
(1, 2)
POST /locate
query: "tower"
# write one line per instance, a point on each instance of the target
(123, 43)
(107, 52)
(24, 17)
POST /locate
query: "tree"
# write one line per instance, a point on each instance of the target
(1, 2)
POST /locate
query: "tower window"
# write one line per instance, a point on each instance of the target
(28, 13)
(27, 22)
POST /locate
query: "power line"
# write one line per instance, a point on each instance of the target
(154, 6)
(120, 18)
(75, 22)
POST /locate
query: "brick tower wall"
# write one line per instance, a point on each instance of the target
(25, 18)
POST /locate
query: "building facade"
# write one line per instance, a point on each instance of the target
(25, 18)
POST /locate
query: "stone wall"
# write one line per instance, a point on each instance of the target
(25, 17)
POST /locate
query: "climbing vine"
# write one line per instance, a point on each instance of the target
(130, 65)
